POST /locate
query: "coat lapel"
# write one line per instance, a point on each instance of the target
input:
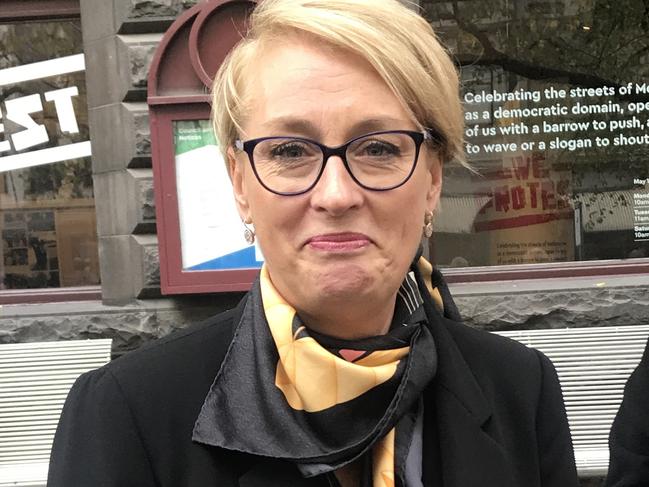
(469, 450)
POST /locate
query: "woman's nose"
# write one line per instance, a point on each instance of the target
(336, 191)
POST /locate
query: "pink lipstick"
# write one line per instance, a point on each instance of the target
(339, 242)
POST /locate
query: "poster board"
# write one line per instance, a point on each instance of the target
(211, 231)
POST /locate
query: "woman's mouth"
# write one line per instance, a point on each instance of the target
(339, 242)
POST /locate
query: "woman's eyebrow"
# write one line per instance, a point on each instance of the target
(289, 124)
(302, 126)
(376, 124)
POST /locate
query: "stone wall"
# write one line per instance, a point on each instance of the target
(120, 38)
(129, 326)
(555, 303)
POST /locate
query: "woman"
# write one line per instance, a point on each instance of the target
(629, 438)
(345, 364)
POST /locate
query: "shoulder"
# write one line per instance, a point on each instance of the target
(139, 407)
(208, 337)
(182, 363)
(485, 350)
(629, 437)
(522, 390)
(510, 374)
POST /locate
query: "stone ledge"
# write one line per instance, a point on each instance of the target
(135, 54)
(143, 218)
(103, 18)
(611, 306)
(517, 286)
(138, 16)
(129, 326)
(116, 269)
(125, 202)
(117, 68)
(146, 266)
(125, 140)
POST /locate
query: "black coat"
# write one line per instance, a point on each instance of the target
(629, 439)
(494, 416)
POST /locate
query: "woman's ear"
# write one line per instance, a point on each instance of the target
(435, 189)
(237, 169)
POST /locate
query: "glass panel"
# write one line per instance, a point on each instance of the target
(556, 98)
(47, 215)
(211, 232)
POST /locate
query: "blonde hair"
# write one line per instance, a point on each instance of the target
(395, 40)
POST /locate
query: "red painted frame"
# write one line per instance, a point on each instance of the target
(173, 278)
(179, 80)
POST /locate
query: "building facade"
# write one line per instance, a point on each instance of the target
(550, 234)
(509, 232)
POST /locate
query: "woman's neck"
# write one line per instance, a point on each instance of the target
(351, 322)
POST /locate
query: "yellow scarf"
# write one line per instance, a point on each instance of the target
(287, 393)
(313, 379)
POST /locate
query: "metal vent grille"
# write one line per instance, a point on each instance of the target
(593, 365)
(35, 379)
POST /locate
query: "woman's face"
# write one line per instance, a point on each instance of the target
(338, 245)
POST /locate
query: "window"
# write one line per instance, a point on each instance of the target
(47, 214)
(556, 98)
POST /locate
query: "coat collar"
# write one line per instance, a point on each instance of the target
(471, 454)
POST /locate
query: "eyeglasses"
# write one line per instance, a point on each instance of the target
(378, 161)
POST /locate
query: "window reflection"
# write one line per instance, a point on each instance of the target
(47, 215)
(556, 108)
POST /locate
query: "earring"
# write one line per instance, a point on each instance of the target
(249, 234)
(428, 224)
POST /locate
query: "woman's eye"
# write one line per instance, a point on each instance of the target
(289, 151)
(379, 149)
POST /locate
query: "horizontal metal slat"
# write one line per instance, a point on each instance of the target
(40, 377)
(603, 330)
(52, 401)
(8, 371)
(28, 444)
(22, 455)
(34, 381)
(39, 380)
(593, 365)
(58, 345)
(68, 356)
(32, 425)
(38, 389)
(24, 474)
(70, 353)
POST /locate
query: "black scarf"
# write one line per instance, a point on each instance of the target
(250, 408)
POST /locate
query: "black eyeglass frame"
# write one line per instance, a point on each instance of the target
(327, 152)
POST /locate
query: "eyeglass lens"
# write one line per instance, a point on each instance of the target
(377, 161)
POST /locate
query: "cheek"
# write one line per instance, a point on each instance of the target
(411, 219)
(412, 230)
(276, 220)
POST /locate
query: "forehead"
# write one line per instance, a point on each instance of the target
(301, 83)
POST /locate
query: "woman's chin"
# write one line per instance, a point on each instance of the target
(343, 282)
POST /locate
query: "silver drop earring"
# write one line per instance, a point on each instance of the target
(249, 234)
(428, 224)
